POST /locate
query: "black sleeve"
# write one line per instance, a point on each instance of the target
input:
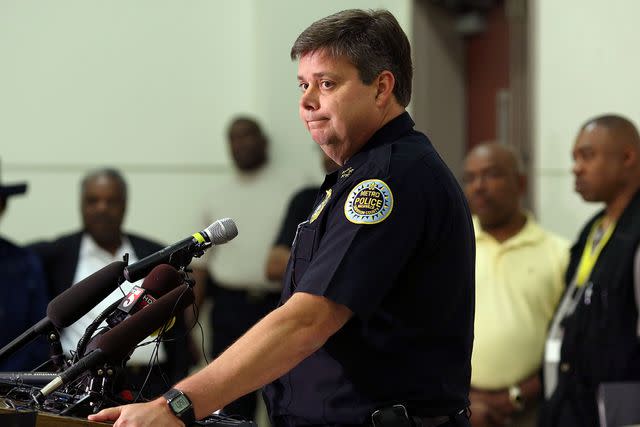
(355, 264)
(299, 208)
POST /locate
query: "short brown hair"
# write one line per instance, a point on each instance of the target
(372, 40)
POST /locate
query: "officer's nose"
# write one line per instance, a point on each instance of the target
(309, 99)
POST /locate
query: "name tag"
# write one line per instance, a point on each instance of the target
(552, 350)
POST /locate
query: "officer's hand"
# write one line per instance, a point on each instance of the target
(151, 414)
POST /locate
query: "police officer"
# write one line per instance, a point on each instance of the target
(377, 315)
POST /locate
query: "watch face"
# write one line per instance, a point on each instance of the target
(180, 403)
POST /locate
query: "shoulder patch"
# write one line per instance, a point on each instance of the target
(369, 202)
(318, 209)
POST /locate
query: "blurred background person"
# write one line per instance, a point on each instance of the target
(519, 280)
(251, 196)
(72, 257)
(298, 210)
(23, 295)
(594, 337)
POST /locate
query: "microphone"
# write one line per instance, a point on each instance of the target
(180, 254)
(158, 282)
(71, 304)
(28, 378)
(116, 344)
(65, 309)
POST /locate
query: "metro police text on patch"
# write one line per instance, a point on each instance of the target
(369, 202)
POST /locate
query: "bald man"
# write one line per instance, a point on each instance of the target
(594, 334)
(519, 280)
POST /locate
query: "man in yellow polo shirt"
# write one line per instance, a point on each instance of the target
(519, 281)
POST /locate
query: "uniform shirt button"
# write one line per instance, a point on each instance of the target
(565, 367)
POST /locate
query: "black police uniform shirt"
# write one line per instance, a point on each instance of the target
(391, 238)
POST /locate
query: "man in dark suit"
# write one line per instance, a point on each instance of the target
(101, 241)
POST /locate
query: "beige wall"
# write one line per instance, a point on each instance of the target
(585, 63)
(439, 99)
(148, 87)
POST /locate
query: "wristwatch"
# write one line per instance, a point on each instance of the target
(515, 397)
(181, 406)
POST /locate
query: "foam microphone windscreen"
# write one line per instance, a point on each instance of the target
(117, 343)
(161, 280)
(75, 302)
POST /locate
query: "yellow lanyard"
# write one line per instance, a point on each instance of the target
(590, 254)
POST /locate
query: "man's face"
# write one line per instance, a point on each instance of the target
(248, 145)
(492, 186)
(103, 207)
(597, 164)
(338, 110)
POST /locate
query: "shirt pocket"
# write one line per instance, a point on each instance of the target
(303, 250)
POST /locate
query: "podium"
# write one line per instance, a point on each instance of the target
(11, 417)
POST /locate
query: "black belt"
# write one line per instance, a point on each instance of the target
(431, 421)
(398, 416)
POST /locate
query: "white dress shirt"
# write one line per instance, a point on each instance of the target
(91, 259)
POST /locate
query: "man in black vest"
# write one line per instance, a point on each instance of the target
(594, 336)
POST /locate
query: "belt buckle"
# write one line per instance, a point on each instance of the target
(398, 409)
(402, 408)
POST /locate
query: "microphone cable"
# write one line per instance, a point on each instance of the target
(81, 347)
(156, 341)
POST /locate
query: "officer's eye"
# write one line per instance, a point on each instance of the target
(303, 86)
(327, 84)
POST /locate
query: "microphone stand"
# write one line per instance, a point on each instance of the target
(56, 356)
(95, 393)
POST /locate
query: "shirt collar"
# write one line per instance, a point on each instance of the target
(89, 248)
(530, 233)
(392, 130)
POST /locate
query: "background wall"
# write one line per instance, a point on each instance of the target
(148, 87)
(585, 64)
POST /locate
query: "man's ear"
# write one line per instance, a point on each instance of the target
(523, 183)
(385, 82)
(629, 156)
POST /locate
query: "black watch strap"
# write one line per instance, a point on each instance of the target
(180, 404)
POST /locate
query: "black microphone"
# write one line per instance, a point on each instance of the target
(28, 378)
(116, 344)
(71, 304)
(180, 254)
